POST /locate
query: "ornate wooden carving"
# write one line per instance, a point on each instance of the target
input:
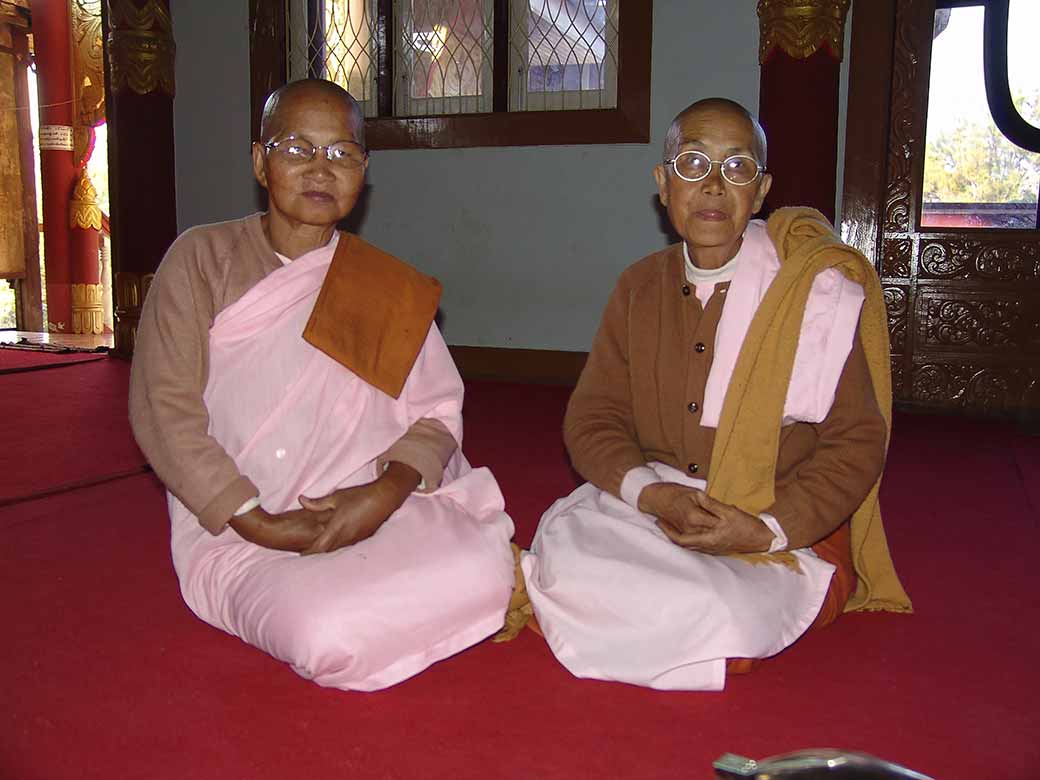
(130, 291)
(898, 377)
(971, 323)
(895, 258)
(974, 387)
(904, 135)
(88, 65)
(988, 258)
(801, 27)
(140, 47)
(963, 304)
(897, 304)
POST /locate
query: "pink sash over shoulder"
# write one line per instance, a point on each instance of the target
(435, 579)
(828, 328)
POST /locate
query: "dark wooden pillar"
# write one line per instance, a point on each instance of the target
(800, 52)
(140, 89)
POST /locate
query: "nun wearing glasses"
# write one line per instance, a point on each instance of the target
(732, 423)
(292, 391)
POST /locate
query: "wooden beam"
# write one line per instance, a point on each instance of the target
(530, 366)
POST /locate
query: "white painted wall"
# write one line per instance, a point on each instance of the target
(211, 111)
(527, 241)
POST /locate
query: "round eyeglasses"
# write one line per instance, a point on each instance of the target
(348, 154)
(738, 169)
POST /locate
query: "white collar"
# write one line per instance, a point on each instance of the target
(723, 273)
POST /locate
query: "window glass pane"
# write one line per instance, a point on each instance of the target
(349, 51)
(1023, 62)
(570, 53)
(446, 53)
(974, 176)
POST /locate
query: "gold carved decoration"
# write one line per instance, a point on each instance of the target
(800, 27)
(88, 65)
(15, 12)
(84, 212)
(88, 311)
(130, 291)
(83, 140)
(141, 48)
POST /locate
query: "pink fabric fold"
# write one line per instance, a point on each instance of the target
(828, 328)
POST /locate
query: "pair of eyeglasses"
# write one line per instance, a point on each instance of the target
(349, 154)
(738, 169)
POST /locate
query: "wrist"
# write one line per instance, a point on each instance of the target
(249, 524)
(400, 479)
(650, 498)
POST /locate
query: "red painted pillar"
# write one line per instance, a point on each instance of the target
(88, 309)
(800, 55)
(52, 40)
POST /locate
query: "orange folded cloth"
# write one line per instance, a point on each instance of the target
(373, 313)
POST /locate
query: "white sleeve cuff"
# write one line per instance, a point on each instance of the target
(635, 480)
(422, 479)
(779, 537)
(251, 503)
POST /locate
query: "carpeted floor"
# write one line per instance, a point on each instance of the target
(106, 674)
(72, 431)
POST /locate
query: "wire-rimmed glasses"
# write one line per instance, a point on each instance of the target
(738, 169)
(348, 154)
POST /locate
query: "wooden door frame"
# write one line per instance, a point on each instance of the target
(989, 274)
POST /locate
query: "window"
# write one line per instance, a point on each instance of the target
(433, 73)
(974, 176)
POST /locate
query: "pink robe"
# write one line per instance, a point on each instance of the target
(437, 576)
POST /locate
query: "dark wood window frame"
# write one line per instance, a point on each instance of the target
(628, 123)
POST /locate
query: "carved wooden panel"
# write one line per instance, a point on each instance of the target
(897, 301)
(978, 323)
(898, 377)
(963, 305)
(994, 257)
(895, 257)
(989, 390)
(904, 133)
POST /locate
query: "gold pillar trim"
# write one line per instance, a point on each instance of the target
(141, 47)
(129, 293)
(800, 27)
(88, 65)
(88, 310)
(83, 209)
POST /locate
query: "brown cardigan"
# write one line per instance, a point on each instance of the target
(639, 397)
(206, 270)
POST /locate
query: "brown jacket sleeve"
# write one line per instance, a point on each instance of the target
(426, 446)
(169, 374)
(817, 493)
(598, 427)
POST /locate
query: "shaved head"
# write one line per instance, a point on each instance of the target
(674, 139)
(281, 102)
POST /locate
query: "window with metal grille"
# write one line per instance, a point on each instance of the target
(461, 62)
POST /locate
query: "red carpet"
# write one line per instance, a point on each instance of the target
(108, 675)
(74, 430)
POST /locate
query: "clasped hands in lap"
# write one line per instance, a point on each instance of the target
(694, 520)
(340, 519)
